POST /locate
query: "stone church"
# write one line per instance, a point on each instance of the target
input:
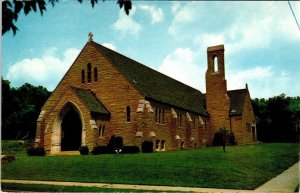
(105, 93)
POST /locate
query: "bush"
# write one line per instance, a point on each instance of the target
(84, 150)
(231, 139)
(39, 151)
(115, 142)
(147, 147)
(130, 149)
(102, 150)
(218, 139)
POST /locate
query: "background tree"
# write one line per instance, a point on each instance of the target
(12, 8)
(277, 118)
(20, 109)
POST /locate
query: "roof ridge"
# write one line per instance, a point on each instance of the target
(147, 67)
(237, 89)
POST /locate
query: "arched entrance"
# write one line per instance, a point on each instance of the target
(68, 130)
(71, 128)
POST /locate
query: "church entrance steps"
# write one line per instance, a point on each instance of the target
(66, 153)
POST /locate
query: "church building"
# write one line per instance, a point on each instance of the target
(105, 93)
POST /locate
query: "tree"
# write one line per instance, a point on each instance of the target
(20, 109)
(277, 118)
(12, 8)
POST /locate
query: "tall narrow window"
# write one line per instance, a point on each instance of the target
(180, 119)
(159, 114)
(95, 74)
(156, 109)
(163, 145)
(89, 72)
(128, 113)
(157, 145)
(82, 76)
(194, 121)
(103, 128)
(216, 64)
(163, 116)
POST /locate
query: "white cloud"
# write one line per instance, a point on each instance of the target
(185, 14)
(263, 82)
(46, 71)
(243, 25)
(156, 13)
(110, 46)
(175, 7)
(126, 24)
(181, 66)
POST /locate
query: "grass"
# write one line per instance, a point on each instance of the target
(241, 167)
(56, 188)
(15, 148)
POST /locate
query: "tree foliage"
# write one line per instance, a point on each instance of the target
(20, 109)
(277, 118)
(12, 8)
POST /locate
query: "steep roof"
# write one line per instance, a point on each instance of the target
(155, 85)
(90, 100)
(237, 100)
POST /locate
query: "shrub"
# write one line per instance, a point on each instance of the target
(231, 139)
(31, 151)
(115, 142)
(147, 147)
(39, 151)
(84, 150)
(130, 149)
(218, 139)
(102, 150)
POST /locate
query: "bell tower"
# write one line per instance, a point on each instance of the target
(217, 100)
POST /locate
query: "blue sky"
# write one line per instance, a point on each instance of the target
(261, 39)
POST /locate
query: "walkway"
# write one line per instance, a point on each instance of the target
(285, 182)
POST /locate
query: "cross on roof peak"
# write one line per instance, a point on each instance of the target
(90, 35)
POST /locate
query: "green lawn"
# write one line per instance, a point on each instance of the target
(55, 188)
(241, 167)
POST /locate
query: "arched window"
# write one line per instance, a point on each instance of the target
(95, 74)
(89, 72)
(128, 113)
(82, 76)
(216, 64)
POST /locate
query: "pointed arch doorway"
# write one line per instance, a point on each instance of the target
(67, 129)
(71, 128)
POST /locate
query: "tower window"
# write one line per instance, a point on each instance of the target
(128, 113)
(216, 67)
(82, 76)
(89, 72)
(95, 74)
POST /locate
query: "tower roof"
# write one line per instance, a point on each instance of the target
(214, 48)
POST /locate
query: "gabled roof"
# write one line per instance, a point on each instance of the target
(237, 100)
(90, 100)
(155, 85)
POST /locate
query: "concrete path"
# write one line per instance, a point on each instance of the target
(285, 182)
